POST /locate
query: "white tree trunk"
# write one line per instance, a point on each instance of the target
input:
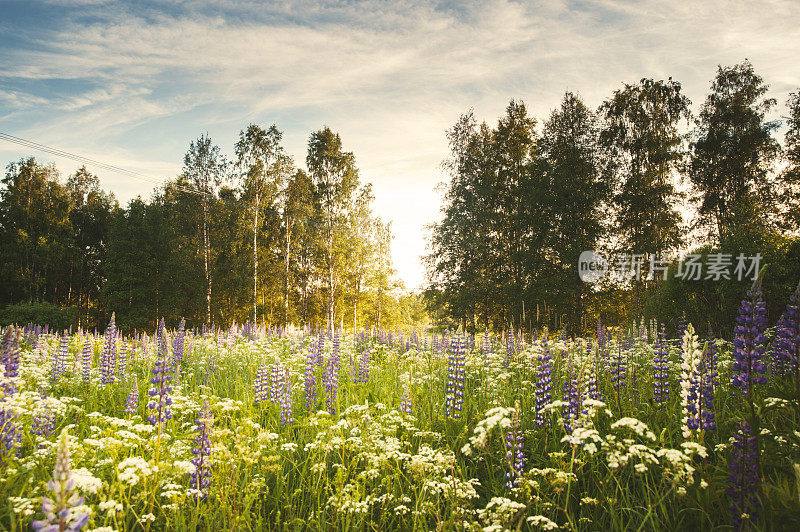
(286, 277)
(255, 261)
(206, 252)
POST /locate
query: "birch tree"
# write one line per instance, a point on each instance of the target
(205, 168)
(263, 167)
(336, 178)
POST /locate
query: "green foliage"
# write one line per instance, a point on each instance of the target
(714, 304)
(732, 154)
(53, 237)
(277, 244)
(790, 178)
(520, 208)
(641, 132)
(59, 318)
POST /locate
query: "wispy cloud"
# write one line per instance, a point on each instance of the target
(133, 85)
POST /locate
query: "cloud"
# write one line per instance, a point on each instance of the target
(389, 76)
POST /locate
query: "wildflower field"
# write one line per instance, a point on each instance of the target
(252, 429)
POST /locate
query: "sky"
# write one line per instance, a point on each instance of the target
(131, 84)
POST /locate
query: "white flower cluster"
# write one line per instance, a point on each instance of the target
(542, 522)
(498, 513)
(85, 481)
(133, 468)
(636, 426)
(498, 416)
(111, 507)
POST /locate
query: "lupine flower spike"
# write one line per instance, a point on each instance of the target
(690, 382)
(133, 397)
(515, 457)
(749, 342)
(544, 383)
(456, 374)
(311, 376)
(661, 368)
(743, 480)
(201, 476)
(59, 504)
(161, 389)
(787, 352)
(108, 360)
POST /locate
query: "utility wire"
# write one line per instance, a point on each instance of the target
(79, 158)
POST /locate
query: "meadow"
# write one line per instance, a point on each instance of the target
(247, 428)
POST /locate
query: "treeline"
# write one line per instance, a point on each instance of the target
(639, 175)
(254, 238)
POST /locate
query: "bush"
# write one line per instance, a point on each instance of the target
(41, 314)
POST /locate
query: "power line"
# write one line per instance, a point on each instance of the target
(85, 160)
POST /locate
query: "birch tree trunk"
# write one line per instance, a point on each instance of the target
(331, 316)
(206, 251)
(255, 259)
(286, 273)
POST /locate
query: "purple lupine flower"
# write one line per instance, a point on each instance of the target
(456, 375)
(320, 350)
(160, 381)
(9, 351)
(285, 399)
(661, 368)
(589, 389)
(601, 334)
(108, 360)
(261, 384)
(353, 368)
(201, 476)
(10, 434)
(311, 377)
(60, 356)
(58, 506)
(86, 359)
(515, 457)
(572, 409)
(544, 383)
(749, 342)
(487, 344)
(708, 383)
(44, 419)
(589, 380)
(335, 352)
(261, 388)
(633, 371)
(787, 339)
(743, 481)
(122, 361)
(618, 368)
(510, 351)
(406, 405)
(363, 367)
(330, 379)
(275, 382)
(133, 397)
(178, 344)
